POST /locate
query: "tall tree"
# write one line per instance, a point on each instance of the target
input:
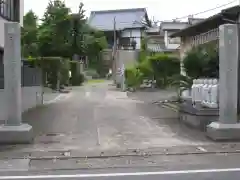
(61, 34)
(78, 24)
(54, 30)
(95, 42)
(29, 35)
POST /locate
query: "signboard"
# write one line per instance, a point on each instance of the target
(81, 59)
(122, 70)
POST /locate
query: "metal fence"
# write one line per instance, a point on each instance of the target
(30, 76)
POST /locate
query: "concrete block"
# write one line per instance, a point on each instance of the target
(218, 131)
(16, 134)
(199, 122)
(14, 165)
(197, 117)
(198, 110)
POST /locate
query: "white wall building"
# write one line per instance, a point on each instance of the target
(133, 34)
(10, 10)
(171, 27)
(13, 10)
(128, 25)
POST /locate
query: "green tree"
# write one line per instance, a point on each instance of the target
(29, 32)
(54, 32)
(95, 42)
(202, 61)
(78, 25)
(164, 66)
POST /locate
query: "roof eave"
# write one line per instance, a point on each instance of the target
(184, 32)
(217, 18)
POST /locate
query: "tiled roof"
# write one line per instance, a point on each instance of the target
(125, 18)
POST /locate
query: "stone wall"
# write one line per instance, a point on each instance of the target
(126, 57)
(31, 97)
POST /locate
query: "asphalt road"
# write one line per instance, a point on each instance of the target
(204, 174)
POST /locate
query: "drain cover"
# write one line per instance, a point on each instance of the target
(53, 134)
(49, 141)
(50, 138)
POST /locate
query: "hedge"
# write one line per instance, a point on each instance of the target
(56, 70)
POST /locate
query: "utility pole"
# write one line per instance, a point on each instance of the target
(114, 50)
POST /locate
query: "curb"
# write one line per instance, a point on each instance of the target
(197, 151)
(128, 155)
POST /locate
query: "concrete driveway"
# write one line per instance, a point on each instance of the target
(97, 118)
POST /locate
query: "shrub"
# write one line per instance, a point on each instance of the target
(211, 69)
(133, 77)
(202, 61)
(77, 80)
(164, 66)
(56, 69)
(146, 69)
(181, 82)
(51, 69)
(64, 72)
(193, 62)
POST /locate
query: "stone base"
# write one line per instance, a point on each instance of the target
(16, 134)
(197, 117)
(223, 132)
(196, 121)
(187, 107)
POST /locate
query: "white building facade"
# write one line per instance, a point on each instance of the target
(133, 34)
(171, 27)
(10, 10)
(32, 96)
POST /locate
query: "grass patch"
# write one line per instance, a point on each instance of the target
(93, 81)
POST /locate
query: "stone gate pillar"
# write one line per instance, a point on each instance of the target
(227, 128)
(13, 131)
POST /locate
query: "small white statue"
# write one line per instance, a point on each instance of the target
(208, 93)
(205, 92)
(198, 96)
(193, 91)
(214, 94)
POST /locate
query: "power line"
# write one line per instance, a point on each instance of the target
(208, 10)
(184, 17)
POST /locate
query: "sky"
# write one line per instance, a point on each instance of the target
(158, 9)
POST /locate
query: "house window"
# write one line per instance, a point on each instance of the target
(9, 9)
(125, 42)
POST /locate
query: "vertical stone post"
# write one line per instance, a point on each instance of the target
(13, 131)
(227, 128)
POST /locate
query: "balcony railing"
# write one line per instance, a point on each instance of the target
(205, 37)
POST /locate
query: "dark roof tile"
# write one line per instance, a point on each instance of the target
(125, 18)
